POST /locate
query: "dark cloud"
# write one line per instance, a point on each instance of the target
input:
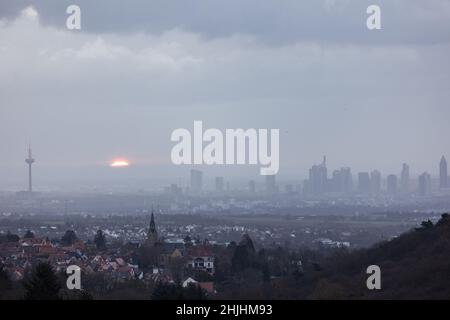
(271, 21)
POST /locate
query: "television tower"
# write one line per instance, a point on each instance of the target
(29, 161)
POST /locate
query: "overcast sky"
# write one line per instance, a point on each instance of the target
(135, 72)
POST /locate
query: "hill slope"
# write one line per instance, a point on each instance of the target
(416, 265)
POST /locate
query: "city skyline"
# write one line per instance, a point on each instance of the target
(319, 181)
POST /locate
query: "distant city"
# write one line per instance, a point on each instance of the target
(341, 182)
(194, 237)
(319, 183)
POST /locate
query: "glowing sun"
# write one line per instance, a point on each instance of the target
(118, 163)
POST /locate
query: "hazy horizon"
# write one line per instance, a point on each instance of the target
(119, 86)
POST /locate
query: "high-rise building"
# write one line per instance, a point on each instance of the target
(219, 184)
(363, 182)
(196, 181)
(443, 177)
(289, 189)
(341, 180)
(335, 183)
(404, 178)
(375, 181)
(392, 184)
(317, 182)
(424, 184)
(271, 186)
(174, 190)
(30, 160)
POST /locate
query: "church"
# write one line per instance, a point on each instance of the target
(152, 234)
(198, 257)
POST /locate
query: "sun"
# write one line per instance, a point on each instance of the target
(119, 163)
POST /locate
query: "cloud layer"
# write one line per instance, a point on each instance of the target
(122, 84)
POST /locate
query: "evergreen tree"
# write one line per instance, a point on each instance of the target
(187, 241)
(42, 284)
(29, 235)
(100, 240)
(265, 272)
(194, 292)
(12, 237)
(166, 292)
(69, 238)
(5, 281)
(244, 254)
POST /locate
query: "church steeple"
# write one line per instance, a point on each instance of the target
(152, 234)
(152, 228)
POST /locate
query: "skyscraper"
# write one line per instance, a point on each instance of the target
(404, 179)
(317, 182)
(443, 177)
(342, 180)
(289, 189)
(392, 184)
(219, 184)
(375, 181)
(30, 160)
(271, 186)
(363, 182)
(424, 184)
(196, 181)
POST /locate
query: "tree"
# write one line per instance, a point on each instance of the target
(42, 284)
(425, 225)
(232, 245)
(69, 238)
(147, 257)
(187, 241)
(445, 218)
(5, 281)
(194, 292)
(66, 294)
(100, 240)
(244, 254)
(166, 292)
(247, 242)
(12, 237)
(265, 272)
(29, 235)
(176, 268)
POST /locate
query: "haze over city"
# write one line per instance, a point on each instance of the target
(224, 151)
(118, 87)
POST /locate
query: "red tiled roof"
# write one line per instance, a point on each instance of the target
(200, 251)
(207, 286)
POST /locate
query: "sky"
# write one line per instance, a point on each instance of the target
(368, 99)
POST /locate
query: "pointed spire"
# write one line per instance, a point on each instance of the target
(152, 235)
(152, 228)
(152, 219)
(443, 160)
